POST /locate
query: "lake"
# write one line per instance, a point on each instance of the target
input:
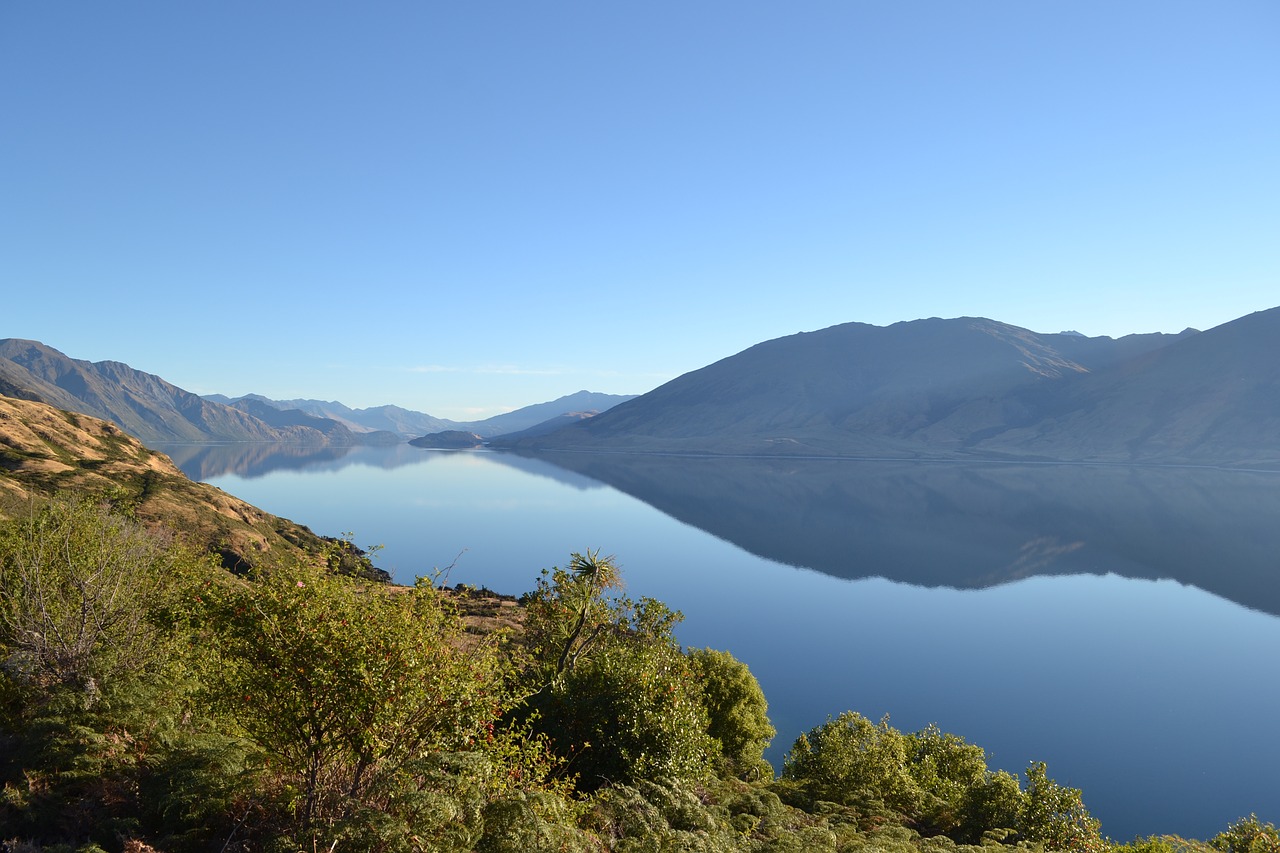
(1118, 623)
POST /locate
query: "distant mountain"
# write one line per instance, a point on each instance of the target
(930, 388)
(402, 422)
(142, 404)
(545, 428)
(409, 424)
(532, 416)
(334, 431)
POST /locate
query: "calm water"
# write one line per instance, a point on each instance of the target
(1118, 624)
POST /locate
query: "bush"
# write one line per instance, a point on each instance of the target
(1056, 816)
(343, 686)
(737, 712)
(851, 761)
(1248, 835)
(947, 770)
(631, 712)
(609, 685)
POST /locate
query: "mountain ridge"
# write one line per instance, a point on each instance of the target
(964, 386)
(142, 404)
(411, 424)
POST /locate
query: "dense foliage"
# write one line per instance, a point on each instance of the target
(151, 699)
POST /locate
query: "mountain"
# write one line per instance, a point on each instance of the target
(408, 423)
(545, 427)
(142, 404)
(403, 422)
(914, 388)
(539, 413)
(1208, 398)
(969, 386)
(333, 431)
(45, 451)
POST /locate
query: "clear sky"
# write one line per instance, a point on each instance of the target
(466, 207)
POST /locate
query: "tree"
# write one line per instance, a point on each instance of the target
(569, 612)
(948, 770)
(1248, 835)
(852, 761)
(344, 685)
(608, 683)
(1056, 815)
(736, 710)
(76, 585)
(101, 738)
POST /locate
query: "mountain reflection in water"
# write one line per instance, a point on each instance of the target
(970, 524)
(965, 525)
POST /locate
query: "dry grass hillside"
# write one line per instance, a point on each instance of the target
(46, 451)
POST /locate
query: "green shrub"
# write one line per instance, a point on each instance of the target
(1248, 835)
(1055, 815)
(851, 761)
(737, 712)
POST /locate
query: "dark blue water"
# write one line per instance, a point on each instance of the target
(1042, 613)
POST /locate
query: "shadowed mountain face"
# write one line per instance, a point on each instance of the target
(1211, 398)
(937, 388)
(972, 524)
(144, 405)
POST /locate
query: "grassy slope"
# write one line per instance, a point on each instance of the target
(46, 451)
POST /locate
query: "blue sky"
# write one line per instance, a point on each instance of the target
(463, 208)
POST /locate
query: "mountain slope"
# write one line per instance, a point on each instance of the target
(142, 404)
(333, 431)
(539, 413)
(1211, 397)
(46, 451)
(394, 419)
(924, 387)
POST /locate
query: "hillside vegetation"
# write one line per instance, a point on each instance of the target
(48, 453)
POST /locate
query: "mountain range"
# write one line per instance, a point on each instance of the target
(935, 388)
(153, 410)
(975, 387)
(408, 423)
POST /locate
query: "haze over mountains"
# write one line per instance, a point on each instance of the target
(969, 387)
